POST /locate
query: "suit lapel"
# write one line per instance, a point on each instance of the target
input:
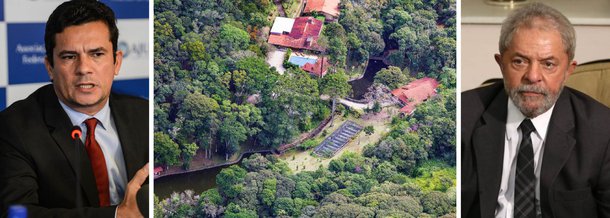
(125, 129)
(558, 146)
(488, 143)
(59, 128)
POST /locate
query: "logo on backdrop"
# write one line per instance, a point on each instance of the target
(26, 53)
(133, 50)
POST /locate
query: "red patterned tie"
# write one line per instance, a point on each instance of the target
(98, 163)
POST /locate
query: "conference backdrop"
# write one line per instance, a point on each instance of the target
(22, 50)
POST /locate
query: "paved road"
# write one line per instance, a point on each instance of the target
(352, 104)
(275, 59)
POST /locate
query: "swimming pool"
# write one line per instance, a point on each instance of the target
(301, 60)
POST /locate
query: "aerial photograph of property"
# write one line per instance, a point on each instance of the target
(305, 108)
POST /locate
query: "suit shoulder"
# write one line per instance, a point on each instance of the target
(131, 106)
(30, 106)
(128, 101)
(129, 98)
(483, 94)
(475, 101)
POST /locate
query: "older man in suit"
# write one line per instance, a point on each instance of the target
(530, 146)
(41, 167)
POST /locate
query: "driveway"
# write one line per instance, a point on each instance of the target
(275, 59)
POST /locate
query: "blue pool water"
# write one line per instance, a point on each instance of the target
(301, 60)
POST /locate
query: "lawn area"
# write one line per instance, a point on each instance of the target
(304, 161)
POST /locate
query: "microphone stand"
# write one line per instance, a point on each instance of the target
(76, 135)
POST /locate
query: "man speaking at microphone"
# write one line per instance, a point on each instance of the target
(39, 163)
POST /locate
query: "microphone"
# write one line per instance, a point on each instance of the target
(76, 134)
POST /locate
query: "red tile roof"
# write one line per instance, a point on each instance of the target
(418, 90)
(330, 7)
(304, 35)
(318, 69)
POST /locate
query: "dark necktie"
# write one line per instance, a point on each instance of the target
(98, 163)
(525, 179)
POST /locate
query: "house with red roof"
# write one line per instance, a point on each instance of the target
(318, 69)
(329, 8)
(298, 33)
(415, 93)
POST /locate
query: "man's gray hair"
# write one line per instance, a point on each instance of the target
(525, 17)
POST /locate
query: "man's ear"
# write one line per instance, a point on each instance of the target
(118, 60)
(49, 68)
(571, 68)
(498, 58)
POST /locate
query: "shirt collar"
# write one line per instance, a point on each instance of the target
(515, 117)
(77, 118)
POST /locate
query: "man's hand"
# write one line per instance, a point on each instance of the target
(129, 206)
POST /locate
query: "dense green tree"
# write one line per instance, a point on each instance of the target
(233, 38)
(188, 151)
(403, 155)
(392, 77)
(344, 211)
(193, 47)
(437, 203)
(302, 190)
(255, 163)
(167, 151)
(260, 77)
(230, 181)
(210, 203)
(235, 211)
(437, 124)
(285, 207)
(158, 208)
(335, 85)
(337, 52)
(384, 171)
(231, 134)
(391, 205)
(200, 120)
(268, 193)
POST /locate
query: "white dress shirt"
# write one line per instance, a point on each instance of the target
(108, 139)
(504, 208)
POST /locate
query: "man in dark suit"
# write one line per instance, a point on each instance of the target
(530, 146)
(41, 167)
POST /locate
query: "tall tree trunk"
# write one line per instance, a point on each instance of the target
(209, 149)
(226, 151)
(332, 114)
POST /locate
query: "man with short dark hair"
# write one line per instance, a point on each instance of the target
(530, 146)
(40, 166)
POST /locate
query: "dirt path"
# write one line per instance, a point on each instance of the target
(280, 8)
